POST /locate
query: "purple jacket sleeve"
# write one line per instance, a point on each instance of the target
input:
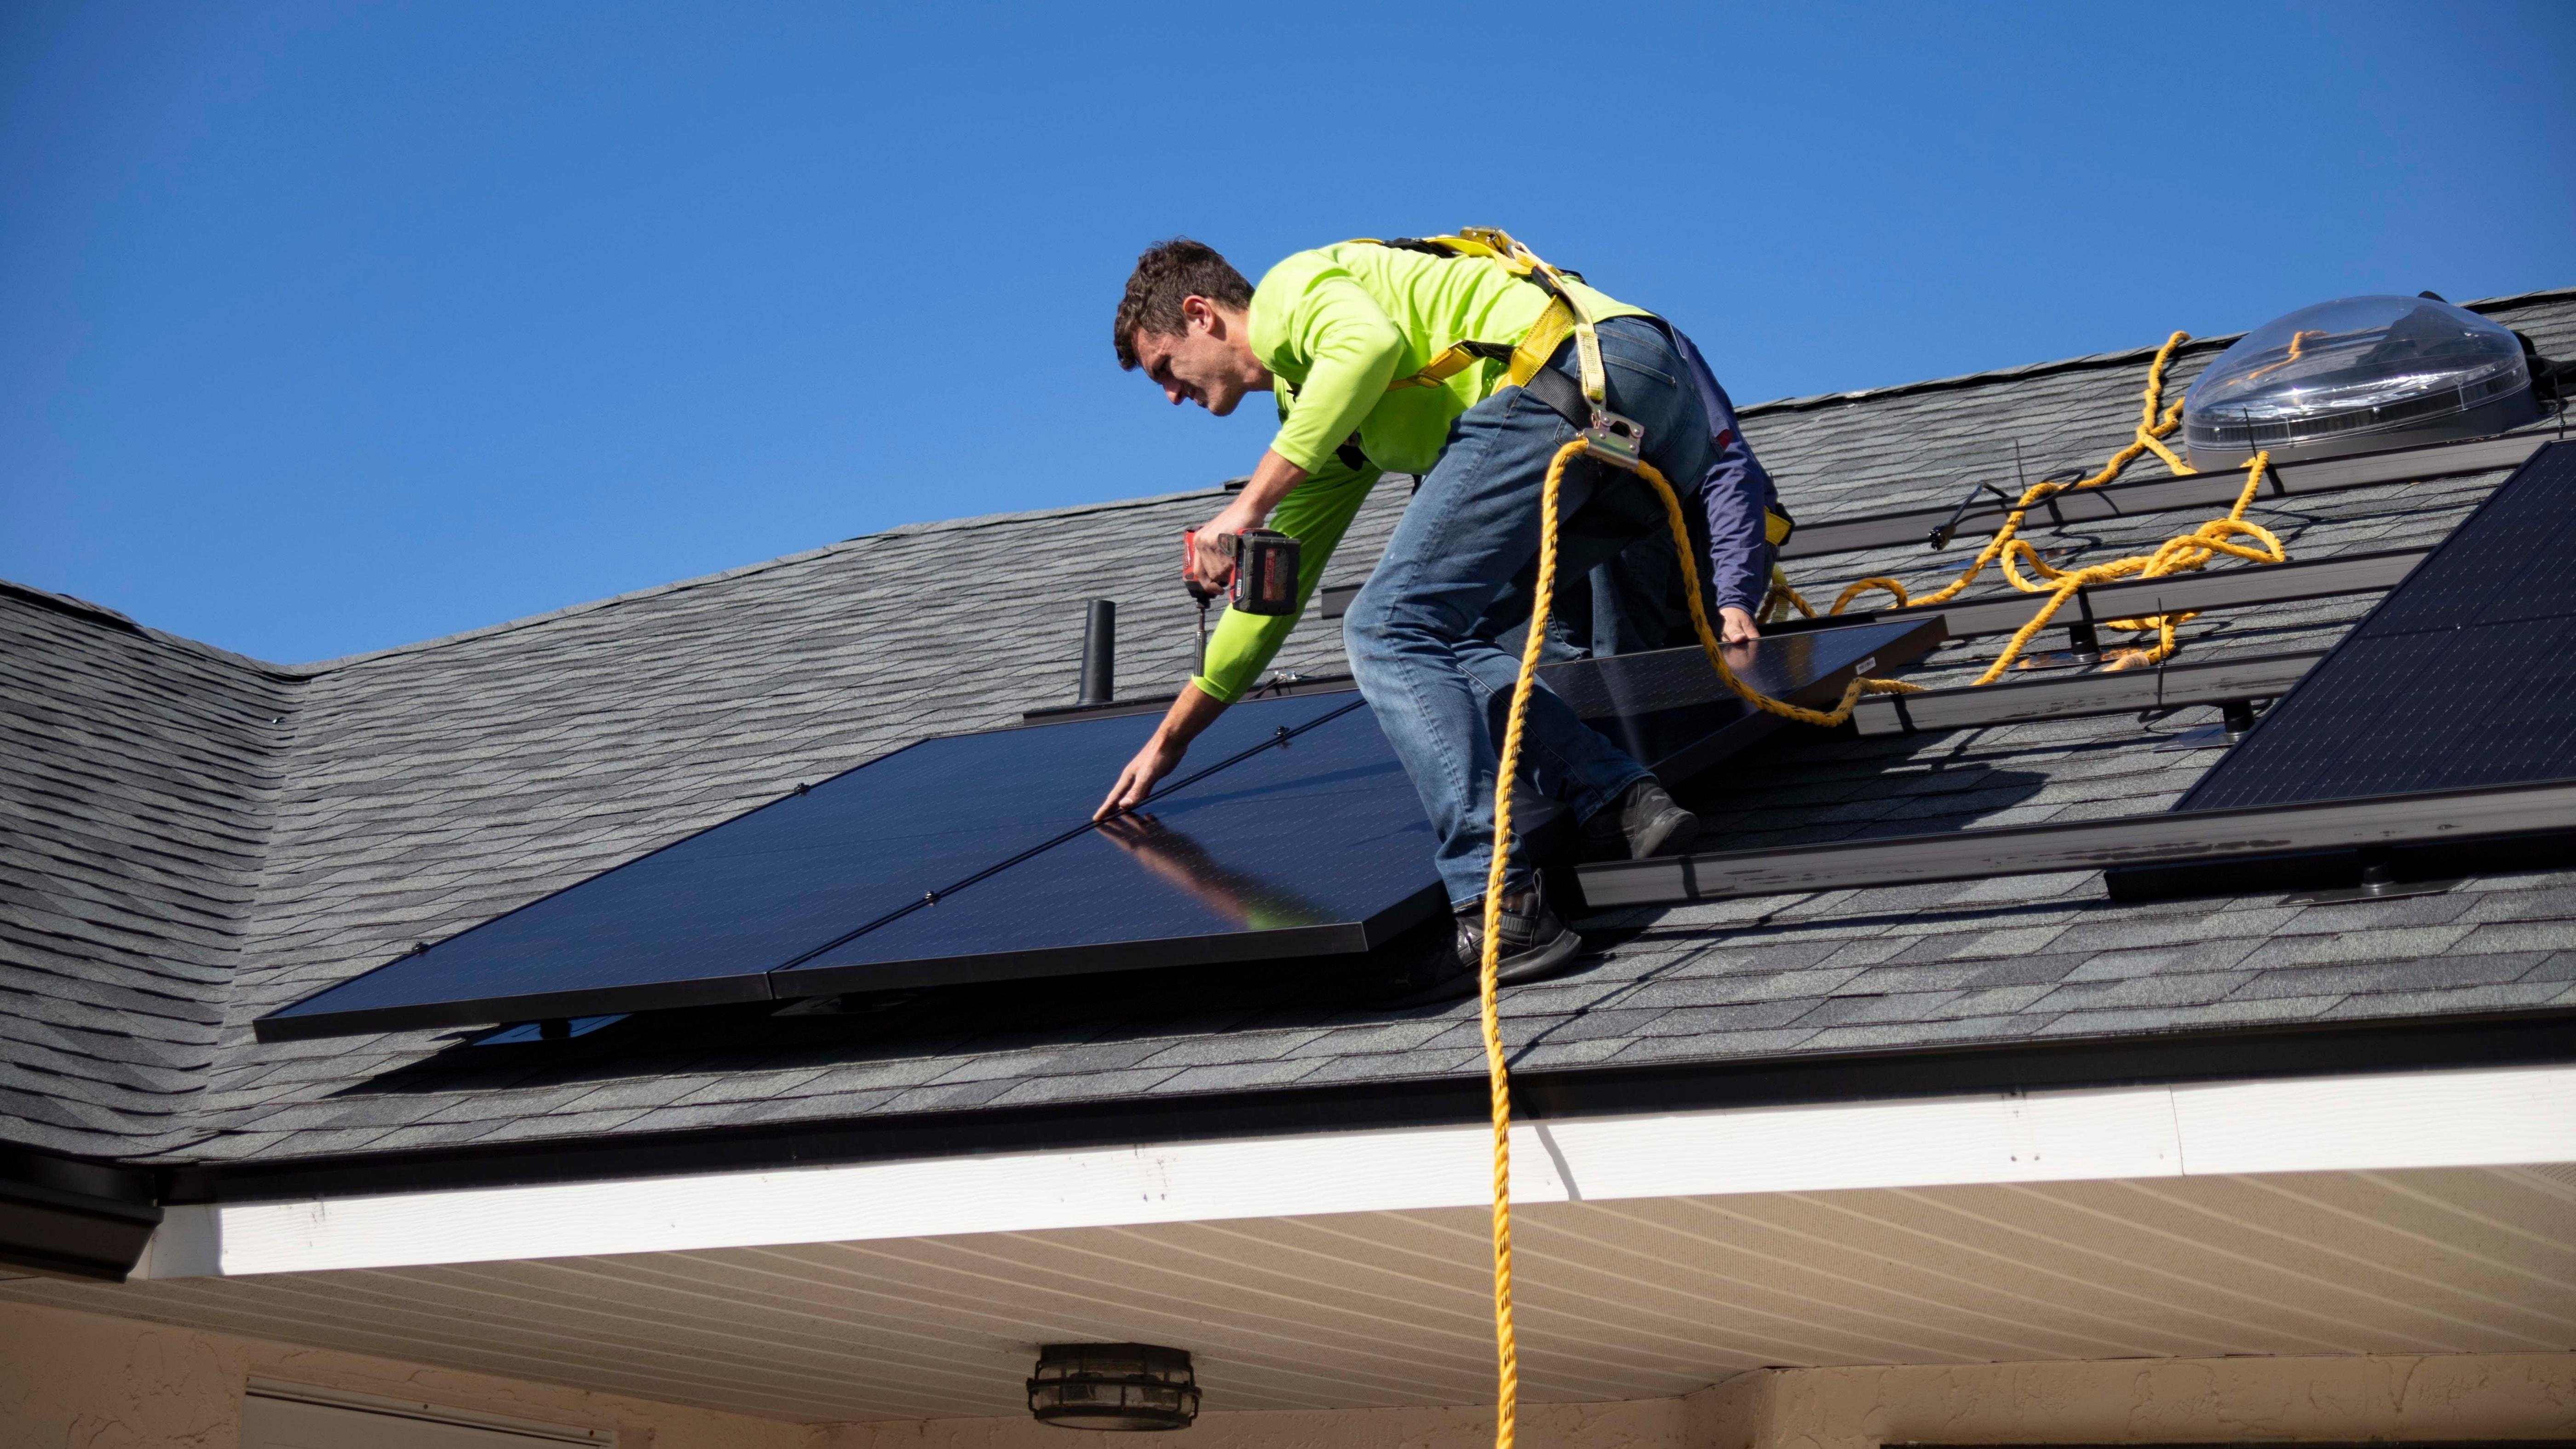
(1735, 493)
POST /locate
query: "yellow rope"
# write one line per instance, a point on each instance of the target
(2175, 555)
(1507, 769)
(2178, 554)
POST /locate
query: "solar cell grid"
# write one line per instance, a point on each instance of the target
(2464, 676)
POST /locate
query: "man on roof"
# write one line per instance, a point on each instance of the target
(1346, 337)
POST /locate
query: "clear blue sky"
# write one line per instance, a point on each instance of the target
(330, 327)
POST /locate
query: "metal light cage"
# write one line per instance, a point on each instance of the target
(2358, 375)
(1114, 1386)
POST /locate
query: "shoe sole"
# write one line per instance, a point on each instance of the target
(1673, 832)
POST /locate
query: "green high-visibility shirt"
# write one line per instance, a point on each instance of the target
(1336, 325)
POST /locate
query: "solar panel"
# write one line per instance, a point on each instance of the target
(1668, 709)
(2464, 676)
(705, 919)
(971, 857)
(1317, 847)
(1313, 847)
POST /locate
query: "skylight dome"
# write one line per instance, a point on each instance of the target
(2356, 376)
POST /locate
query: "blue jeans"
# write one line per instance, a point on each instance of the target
(1458, 575)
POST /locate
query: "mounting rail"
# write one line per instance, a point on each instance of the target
(2160, 495)
(2232, 838)
(2214, 681)
(2119, 500)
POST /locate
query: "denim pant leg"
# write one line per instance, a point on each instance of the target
(1436, 679)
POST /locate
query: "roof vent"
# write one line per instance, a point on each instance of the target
(2357, 376)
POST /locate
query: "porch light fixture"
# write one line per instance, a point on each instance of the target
(1114, 1386)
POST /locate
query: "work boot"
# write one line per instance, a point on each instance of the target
(1536, 942)
(1536, 945)
(1642, 823)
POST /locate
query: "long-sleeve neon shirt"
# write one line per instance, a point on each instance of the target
(1336, 325)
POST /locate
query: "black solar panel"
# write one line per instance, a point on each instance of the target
(706, 918)
(971, 858)
(2463, 676)
(1316, 846)
(1668, 709)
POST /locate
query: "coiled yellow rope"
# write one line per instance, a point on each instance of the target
(2179, 554)
(1497, 1069)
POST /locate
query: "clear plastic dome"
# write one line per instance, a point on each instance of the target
(2356, 376)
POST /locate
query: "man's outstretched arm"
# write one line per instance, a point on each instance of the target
(1193, 712)
(1316, 512)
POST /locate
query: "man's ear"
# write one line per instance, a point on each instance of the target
(1202, 316)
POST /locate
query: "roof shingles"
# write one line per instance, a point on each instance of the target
(197, 839)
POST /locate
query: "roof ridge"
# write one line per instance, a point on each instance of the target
(1808, 402)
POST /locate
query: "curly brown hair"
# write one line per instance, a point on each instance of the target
(1167, 274)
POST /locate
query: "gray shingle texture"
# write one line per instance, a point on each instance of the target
(189, 839)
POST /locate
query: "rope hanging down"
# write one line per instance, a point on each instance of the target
(1497, 1070)
(2179, 554)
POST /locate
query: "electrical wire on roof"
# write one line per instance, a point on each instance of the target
(2182, 553)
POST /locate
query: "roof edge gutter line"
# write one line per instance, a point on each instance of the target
(2369, 1122)
(2283, 1050)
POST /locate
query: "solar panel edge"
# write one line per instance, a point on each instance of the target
(534, 1006)
(1339, 938)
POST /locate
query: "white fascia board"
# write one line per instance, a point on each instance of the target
(2351, 1123)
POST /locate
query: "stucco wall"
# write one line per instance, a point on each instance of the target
(83, 1381)
(2488, 1396)
(1644, 1424)
(2131, 1401)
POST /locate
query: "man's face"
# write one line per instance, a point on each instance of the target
(1208, 363)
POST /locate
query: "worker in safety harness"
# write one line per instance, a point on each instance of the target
(1403, 357)
(1634, 602)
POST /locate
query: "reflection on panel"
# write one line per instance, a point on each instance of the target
(1318, 845)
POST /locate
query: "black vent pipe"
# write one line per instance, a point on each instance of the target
(1099, 651)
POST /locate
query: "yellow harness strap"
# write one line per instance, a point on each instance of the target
(1539, 343)
(1536, 345)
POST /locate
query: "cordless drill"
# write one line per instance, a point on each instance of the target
(1262, 581)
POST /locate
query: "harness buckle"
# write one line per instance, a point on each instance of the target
(1617, 441)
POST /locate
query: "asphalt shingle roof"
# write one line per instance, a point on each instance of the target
(195, 839)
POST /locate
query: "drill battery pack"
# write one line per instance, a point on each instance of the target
(1264, 577)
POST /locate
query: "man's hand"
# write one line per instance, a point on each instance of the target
(1137, 781)
(1273, 478)
(1212, 559)
(1735, 626)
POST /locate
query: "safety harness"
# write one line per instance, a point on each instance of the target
(1613, 439)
